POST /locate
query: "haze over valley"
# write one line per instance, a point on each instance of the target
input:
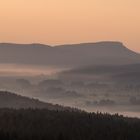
(102, 76)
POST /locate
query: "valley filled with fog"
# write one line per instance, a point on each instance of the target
(99, 88)
(103, 76)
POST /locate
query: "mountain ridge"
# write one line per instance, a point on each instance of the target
(71, 55)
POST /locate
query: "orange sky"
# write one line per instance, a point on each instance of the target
(70, 21)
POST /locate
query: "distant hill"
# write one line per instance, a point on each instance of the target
(68, 55)
(11, 100)
(104, 69)
(129, 73)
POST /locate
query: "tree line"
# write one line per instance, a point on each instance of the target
(43, 124)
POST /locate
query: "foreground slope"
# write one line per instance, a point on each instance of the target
(11, 100)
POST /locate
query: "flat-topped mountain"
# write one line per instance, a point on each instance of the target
(68, 55)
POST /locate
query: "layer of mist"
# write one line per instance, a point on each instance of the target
(102, 76)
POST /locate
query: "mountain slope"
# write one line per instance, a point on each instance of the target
(11, 100)
(68, 55)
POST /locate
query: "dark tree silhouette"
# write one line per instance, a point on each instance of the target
(43, 124)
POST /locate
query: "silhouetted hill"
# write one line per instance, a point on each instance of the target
(120, 73)
(68, 55)
(104, 69)
(11, 100)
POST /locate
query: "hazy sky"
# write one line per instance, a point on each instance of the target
(70, 21)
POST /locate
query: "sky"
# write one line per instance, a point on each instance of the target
(70, 21)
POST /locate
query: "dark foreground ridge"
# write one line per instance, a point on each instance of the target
(43, 124)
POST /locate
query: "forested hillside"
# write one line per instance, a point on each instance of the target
(12, 100)
(35, 124)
